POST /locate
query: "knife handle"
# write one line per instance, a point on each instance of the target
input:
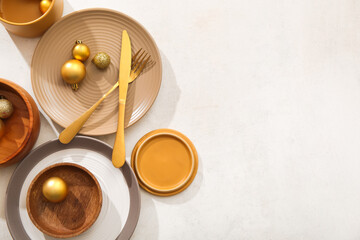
(118, 155)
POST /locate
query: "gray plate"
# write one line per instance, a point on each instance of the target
(13, 220)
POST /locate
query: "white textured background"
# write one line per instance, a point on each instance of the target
(269, 92)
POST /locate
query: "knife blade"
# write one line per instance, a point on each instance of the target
(118, 155)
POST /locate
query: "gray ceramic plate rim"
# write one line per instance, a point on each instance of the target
(12, 213)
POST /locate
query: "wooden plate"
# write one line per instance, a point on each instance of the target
(120, 191)
(101, 30)
(165, 162)
(22, 127)
(76, 213)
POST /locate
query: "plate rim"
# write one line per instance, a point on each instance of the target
(78, 142)
(89, 10)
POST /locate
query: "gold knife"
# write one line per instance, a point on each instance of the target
(118, 155)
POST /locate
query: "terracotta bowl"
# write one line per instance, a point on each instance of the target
(22, 127)
(76, 213)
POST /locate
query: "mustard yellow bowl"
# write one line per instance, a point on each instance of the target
(24, 18)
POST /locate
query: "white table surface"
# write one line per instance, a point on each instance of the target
(268, 91)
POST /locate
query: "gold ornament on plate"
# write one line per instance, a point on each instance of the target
(44, 5)
(101, 60)
(81, 51)
(73, 72)
(55, 189)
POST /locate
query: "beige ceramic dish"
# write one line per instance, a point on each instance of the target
(101, 30)
(13, 20)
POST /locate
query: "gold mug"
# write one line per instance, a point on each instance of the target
(12, 16)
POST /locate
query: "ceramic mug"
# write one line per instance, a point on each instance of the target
(12, 15)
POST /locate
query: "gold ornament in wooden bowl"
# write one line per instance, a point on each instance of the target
(55, 189)
(22, 128)
(6, 108)
(73, 72)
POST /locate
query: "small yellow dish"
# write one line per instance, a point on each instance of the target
(165, 162)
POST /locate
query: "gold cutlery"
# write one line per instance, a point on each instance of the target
(139, 60)
(118, 154)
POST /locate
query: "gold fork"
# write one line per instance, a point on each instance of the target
(139, 60)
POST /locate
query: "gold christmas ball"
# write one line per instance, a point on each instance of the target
(55, 189)
(2, 128)
(73, 71)
(101, 60)
(6, 108)
(44, 5)
(80, 51)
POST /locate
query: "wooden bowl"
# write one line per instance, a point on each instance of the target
(76, 213)
(22, 127)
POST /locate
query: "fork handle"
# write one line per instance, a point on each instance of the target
(118, 154)
(70, 131)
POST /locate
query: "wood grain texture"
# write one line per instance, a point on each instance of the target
(22, 127)
(76, 213)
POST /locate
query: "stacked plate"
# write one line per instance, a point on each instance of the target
(165, 162)
(120, 193)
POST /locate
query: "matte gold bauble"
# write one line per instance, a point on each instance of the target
(101, 60)
(80, 51)
(55, 189)
(2, 128)
(6, 108)
(73, 72)
(44, 5)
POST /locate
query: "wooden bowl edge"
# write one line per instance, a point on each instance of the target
(34, 125)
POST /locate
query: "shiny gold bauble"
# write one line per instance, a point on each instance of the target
(73, 71)
(44, 5)
(6, 108)
(101, 60)
(55, 189)
(80, 51)
(2, 128)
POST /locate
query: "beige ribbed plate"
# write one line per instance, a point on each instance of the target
(101, 30)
